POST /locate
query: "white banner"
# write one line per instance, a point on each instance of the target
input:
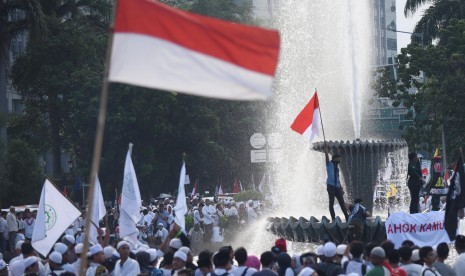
(423, 229)
(54, 215)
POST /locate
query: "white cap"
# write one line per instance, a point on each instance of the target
(340, 249)
(319, 250)
(185, 249)
(176, 243)
(60, 248)
(55, 257)
(250, 201)
(19, 243)
(307, 271)
(30, 261)
(415, 255)
(95, 249)
(153, 254)
(121, 243)
(70, 239)
(181, 255)
(78, 248)
(329, 249)
(17, 268)
(109, 251)
(161, 224)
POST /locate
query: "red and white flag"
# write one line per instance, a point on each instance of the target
(161, 47)
(236, 186)
(194, 191)
(307, 121)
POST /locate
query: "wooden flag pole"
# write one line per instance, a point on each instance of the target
(98, 143)
(321, 119)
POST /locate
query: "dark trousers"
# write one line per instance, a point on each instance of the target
(414, 189)
(339, 194)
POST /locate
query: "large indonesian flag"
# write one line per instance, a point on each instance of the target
(307, 121)
(157, 46)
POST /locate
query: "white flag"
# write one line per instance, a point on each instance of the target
(130, 199)
(98, 211)
(54, 215)
(181, 207)
(262, 184)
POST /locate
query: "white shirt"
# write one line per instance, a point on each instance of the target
(29, 227)
(129, 268)
(412, 269)
(251, 215)
(11, 222)
(429, 271)
(233, 211)
(148, 219)
(19, 237)
(240, 269)
(197, 218)
(459, 266)
(92, 269)
(207, 212)
(3, 224)
(163, 233)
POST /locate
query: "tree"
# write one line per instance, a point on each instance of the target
(437, 72)
(436, 17)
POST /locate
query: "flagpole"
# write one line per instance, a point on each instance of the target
(98, 142)
(321, 118)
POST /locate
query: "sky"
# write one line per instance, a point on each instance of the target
(406, 24)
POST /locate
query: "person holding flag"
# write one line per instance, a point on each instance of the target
(333, 183)
(415, 181)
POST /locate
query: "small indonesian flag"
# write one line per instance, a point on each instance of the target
(157, 46)
(194, 191)
(307, 121)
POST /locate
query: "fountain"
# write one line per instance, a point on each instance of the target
(325, 45)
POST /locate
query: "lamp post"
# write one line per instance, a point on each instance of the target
(393, 29)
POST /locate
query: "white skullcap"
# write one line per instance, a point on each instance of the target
(70, 239)
(329, 249)
(319, 250)
(340, 249)
(18, 244)
(176, 243)
(181, 255)
(95, 249)
(2, 265)
(17, 268)
(121, 243)
(60, 248)
(415, 255)
(78, 248)
(185, 249)
(108, 251)
(153, 254)
(307, 271)
(55, 257)
(161, 224)
(29, 261)
(250, 201)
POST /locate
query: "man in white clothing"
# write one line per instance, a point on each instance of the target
(405, 254)
(251, 215)
(161, 234)
(428, 256)
(12, 228)
(125, 265)
(208, 212)
(97, 261)
(29, 223)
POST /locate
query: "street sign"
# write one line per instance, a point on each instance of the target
(258, 156)
(257, 140)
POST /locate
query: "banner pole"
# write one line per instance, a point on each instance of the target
(321, 118)
(98, 143)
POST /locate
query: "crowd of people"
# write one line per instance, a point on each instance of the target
(175, 256)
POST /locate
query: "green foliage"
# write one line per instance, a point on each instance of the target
(248, 195)
(189, 222)
(441, 92)
(23, 173)
(60, 79)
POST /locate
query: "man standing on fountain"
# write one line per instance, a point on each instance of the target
(414, 182)
(333, 184)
